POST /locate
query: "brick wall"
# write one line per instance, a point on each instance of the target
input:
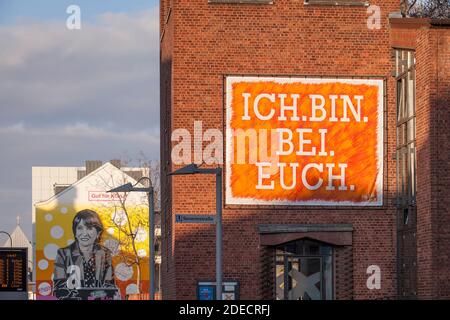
(432, 45)
(442, 105)
(286, 38)
(343, 273)
(266, 280)
(426, 205)
(166, 56)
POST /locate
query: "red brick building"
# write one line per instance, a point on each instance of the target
(270, 250)
(424, 218)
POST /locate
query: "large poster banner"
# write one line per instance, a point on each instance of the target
(91, 244)
(304, 141)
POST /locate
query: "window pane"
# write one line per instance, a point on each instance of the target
(326, 250)
(300, 247)
(404, 168)
(401, 103)
(410, 130)
(412, 155)
(328, 277)
(409, 180)
(306, 277)
(404, 61)
(405, 216)
(279, 282)
(411, 59)
(312, 249)
(293, 279)
(399, 100)
(401, 178)
(397, 62)
(411, 93)
(291, 247)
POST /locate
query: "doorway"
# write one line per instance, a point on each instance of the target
(304, 271)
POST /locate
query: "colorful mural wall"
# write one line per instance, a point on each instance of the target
(79, 257)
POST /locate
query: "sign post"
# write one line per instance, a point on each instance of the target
(194, 169)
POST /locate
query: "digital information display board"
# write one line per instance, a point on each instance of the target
(13, 270)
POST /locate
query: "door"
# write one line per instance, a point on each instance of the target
(300, 278)
(304, 271)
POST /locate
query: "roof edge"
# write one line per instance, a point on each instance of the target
(418, 22)
(106, 164)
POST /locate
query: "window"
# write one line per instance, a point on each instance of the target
(337, 2)
(406, 129)
(406, 174)
(304, 271)
(242, 1)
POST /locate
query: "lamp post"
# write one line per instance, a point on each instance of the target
(128, 187)
(194, 169)
(10, 239)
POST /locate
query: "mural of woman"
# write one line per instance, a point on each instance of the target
(83, 270)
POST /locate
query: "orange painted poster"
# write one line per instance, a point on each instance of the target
(304, 141)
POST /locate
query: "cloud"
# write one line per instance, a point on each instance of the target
(73, 143)
(107, 71)
(82, 130)
(70, 96)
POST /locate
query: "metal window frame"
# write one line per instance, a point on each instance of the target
(406, 145)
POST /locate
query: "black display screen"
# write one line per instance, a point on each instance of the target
(13, 269)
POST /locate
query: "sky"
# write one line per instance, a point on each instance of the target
(67, 96)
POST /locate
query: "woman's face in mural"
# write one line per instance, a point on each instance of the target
(85, 235)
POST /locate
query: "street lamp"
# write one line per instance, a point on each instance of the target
(128, 187)
(194, 169)
(10, 239)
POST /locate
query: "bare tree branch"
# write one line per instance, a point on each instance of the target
(436, 9)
